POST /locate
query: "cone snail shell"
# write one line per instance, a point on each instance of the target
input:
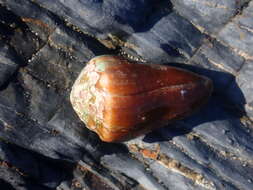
(120, 100)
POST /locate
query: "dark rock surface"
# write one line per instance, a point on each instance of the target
(44, 45)
(8, 64)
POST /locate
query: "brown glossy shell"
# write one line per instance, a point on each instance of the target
(120, 100)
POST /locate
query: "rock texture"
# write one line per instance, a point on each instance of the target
(44, 45)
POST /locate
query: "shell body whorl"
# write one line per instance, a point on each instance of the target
(120, 100)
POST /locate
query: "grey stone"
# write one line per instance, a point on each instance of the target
(173, 180)
(11, 180)
(208, 16)
(8, 63)
(35, 167)
(243, 81)
(131, 168)
(169, 39)
(238, 33)
(46, 44)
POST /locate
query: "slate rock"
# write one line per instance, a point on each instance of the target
(208, 16)
(8, 63)
(34, 167)
(170, 38)
(48, 43)
(103, 16)
(238, 33)
(247, 87)
(11, 179)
